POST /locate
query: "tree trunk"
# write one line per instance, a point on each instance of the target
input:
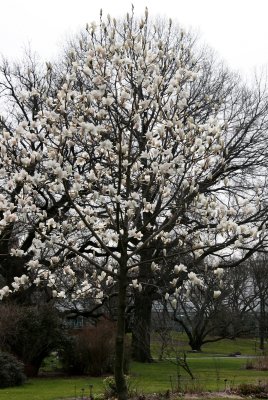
(262, 323)
(141, 329)
(195, 339)
(196, 344)
(31, 370)
(119, 376)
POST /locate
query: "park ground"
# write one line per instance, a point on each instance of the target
(218, 372)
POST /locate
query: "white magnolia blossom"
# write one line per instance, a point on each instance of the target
(119, 166)
(180, 268)
(216, 294)
(174, 303)
(16, 252)
(4, 291)
(219, 272)
(194, 279)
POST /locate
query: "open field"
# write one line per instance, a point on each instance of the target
(213, 371)
(214, 374)
(247, 347)
(52, 388)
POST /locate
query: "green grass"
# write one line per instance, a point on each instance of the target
(210, 368)
(247, 347)
(52, 388)
(227, 346)
(210, 374)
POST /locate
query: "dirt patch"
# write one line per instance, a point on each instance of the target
(193, 396)
(211, 395)
(177, 396)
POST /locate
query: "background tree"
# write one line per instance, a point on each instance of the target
(259, 273)
(119, 163)
(255, 297)
(216, 310)
(31, 334)
(237, 309)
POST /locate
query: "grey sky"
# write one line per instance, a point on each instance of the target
(236, 29)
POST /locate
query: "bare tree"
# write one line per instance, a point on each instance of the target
(215, 311)
(255, 298)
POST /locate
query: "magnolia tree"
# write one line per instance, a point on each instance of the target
(106, 166)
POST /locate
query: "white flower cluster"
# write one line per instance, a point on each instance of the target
(116, 167)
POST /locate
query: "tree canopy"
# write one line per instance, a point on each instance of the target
(135, 146)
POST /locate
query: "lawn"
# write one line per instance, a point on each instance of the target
(52, 388)
(212, 371)
(223, 347)
(210, 374)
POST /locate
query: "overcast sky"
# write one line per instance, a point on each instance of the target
(236, 29)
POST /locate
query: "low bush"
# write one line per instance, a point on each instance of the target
(91, 351)
(249, 364)
(261, 364)
(11, 371)
(249, 389)
(110, 390)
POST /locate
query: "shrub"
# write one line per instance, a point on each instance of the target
(74, 358)
(248, 389)
(11, 371)
(110, 390)
(91, 351)
(249, 364)
(31, 333)
(261, 364)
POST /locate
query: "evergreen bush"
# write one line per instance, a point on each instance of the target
(11, 371)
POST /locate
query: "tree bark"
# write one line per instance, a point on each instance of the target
(262, 323)
(31, 370)
(196, 344)
(119, 376)
(141, 324)
(141, 329)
